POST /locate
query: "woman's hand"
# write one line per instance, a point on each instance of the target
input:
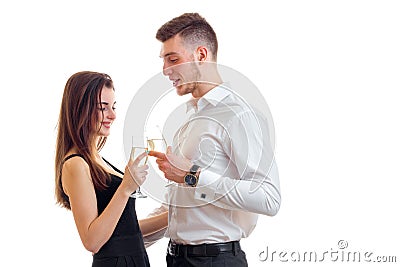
(135, 175)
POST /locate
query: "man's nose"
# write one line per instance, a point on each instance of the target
(167, 70)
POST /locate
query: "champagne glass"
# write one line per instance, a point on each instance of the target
(157, 142)
(135, 152)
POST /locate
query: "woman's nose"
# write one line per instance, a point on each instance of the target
(112, 114)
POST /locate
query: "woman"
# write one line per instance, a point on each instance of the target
(95, 191)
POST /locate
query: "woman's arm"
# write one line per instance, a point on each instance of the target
(94, 230)
(153, 224)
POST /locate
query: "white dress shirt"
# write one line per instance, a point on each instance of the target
(239, 179)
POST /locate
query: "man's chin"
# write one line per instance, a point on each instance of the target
(180, 90)
(185, 89)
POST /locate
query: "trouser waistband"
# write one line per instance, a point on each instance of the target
(213, 249)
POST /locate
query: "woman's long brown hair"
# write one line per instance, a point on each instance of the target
(77, 124)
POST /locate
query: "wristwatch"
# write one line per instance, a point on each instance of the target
(191, 178)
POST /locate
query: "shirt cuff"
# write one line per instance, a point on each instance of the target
(206, 186)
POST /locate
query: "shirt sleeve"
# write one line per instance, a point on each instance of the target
(249, 146)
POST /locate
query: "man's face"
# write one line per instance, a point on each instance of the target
(179, 65)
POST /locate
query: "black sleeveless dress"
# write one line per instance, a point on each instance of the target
(125, 246)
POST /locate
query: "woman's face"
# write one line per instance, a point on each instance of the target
(106, 111)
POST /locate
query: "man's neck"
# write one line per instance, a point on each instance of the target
(202, 89)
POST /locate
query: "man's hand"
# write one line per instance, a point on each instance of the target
(173, 167)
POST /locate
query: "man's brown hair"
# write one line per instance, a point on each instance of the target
(193, 29)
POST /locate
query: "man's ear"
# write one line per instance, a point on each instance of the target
(202, 53)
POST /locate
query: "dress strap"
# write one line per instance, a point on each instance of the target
(73, 155)
(65, 196)
(67, 158)
(112, 166)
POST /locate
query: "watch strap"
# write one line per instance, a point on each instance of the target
(194, 169)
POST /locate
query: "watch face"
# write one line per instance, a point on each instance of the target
(190, 179)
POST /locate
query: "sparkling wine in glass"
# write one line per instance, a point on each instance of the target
(135, 152)
(156, 142)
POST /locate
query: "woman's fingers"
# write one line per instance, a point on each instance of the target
(139, 158)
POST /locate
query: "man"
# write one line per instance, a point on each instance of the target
(222, 159)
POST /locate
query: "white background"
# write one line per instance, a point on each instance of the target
(329, 71)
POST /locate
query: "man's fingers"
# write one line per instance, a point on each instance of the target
(157, 154)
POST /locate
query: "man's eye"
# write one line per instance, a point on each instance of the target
(173, 60)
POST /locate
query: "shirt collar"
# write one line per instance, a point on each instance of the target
(213, 97)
